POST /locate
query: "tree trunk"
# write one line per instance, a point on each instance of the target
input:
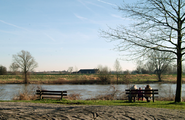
(179, 79)
(159, 76)
(26, 78)
(117, 78)
(179, 57)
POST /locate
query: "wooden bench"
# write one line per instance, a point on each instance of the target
(51, 94)
(132, 92)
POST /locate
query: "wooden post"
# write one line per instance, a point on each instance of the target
(40, 94)
(153, 95)
(130, 97)
(61, 95)
(138, 95)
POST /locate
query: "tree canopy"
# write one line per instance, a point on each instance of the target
(157, 25)
(25, 62)
(3, 70)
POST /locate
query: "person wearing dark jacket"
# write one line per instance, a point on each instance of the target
(140, 94)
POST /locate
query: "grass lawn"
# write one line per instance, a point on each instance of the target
(156, 104)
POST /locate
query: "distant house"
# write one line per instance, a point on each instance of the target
(88, 71)
(74, 72)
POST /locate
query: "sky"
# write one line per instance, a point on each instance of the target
(60, 33)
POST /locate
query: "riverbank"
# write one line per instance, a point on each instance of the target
(88, 79)
(9, 91)
(22, 110)
(87, 82)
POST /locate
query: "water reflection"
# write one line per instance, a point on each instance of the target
(8, 91)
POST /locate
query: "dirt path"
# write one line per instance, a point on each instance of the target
(35, 111)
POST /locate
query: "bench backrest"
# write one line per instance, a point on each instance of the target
(49, 92)
(129, 91)
(141, 90)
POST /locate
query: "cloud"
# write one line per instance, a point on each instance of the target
(7, 32)
(94, 4)
(13, 25)
(117, 16)
(86, 6)
(88, 20)
(107, 3)
(49, 37)
(82, 36)
(80, 17)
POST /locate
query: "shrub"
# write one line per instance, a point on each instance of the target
(126, 78)
(112, 94)
(28, 93)
(25, 96)
(74, 96)
(104, 75)
(3, 70)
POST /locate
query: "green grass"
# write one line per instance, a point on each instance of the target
(156, 104)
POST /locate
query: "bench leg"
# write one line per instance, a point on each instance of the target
(153, 98)
(61, 95)
(40, 95)
(130, 98)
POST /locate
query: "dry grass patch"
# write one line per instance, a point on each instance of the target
(87, 79)
(74, 96)
(28, 93)
(112, 94)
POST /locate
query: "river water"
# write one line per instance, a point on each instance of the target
(8, 91)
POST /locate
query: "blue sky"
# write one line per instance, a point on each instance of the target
(60, 33)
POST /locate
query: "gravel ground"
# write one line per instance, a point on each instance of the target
(35, 111)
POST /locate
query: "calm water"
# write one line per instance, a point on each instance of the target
(8, 91)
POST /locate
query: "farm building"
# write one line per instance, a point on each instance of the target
(88, 71)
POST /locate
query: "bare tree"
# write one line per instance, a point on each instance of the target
(150, 68)
(70, 70)
(104, 74)
(25, 62)
(3, 70)
(14, 67)
(118, 69)
(160, 61)
(183, 68)
(142, 68)
(159, 25)
(76, 69)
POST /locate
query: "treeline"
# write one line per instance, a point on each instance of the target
(139, 70)
(145, 69)
(3, 70)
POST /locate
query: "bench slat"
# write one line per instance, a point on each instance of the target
(51, 91)
(54, 94)
(135, 92)
(141, 93)
(142, 90)
(51, 94)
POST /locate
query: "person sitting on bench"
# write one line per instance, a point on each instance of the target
(140, 94)
(134, 87)
(149, 93)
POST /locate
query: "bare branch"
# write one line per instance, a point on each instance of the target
(25, 62)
